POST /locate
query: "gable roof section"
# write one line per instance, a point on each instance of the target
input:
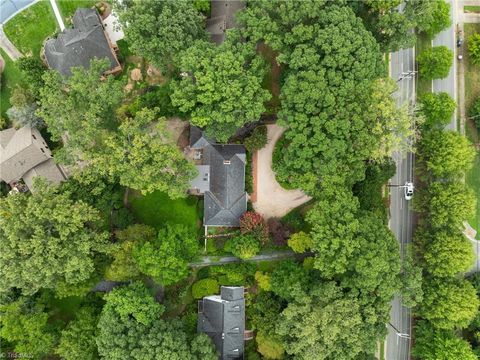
(77, 46)
(18, 153)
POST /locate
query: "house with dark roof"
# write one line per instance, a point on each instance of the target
(77, 46)
(222, 318)
(222, 18)
(25, 155)
(220, 179)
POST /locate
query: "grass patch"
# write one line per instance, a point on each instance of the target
(157, 208)
(472, 72)
(271, 81)
(11, 76)
(65, 309)
(472, 179)
(471, 9)
(67, 8)
(423, 43)
(31, 27)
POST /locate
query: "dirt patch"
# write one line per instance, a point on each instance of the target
(176, 127)
(271, 199)
(154, 76)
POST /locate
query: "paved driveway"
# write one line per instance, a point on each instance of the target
(272, 199)
(8, 8)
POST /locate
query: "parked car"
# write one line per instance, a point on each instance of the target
(408, 190)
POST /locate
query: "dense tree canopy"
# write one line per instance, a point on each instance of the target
(166, 257)
(437, 108)
(222, 90)
(160, 30)
(46, 238)
(77, 340)
(449, 303)
(130, 328)
(446, 154)
(434, 344)
(435, 62)
(26, 326)
(80, 108)
(143, 156)
(330, 58)
(430, 16)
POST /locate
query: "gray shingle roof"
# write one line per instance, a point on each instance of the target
(225, 196)
(222, 18)
(222, 318)
(24, 154)
(77, 46)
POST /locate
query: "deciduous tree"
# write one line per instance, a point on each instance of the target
(160, 30)
(474, 48)
(244, 246)
(430, 16)
(166, 258)
(448, 303)
(435, 344)
(46, 238)
(222, 90)
(435, 62)
(437, 108)
(300, 242)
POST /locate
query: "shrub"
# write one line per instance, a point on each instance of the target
(474, 48)
(205, 287)
(269, 346)
(300, 242)
(252, 222)
(435, 63)
(263, 280)
(243, 246)
(257, 140)
(437, 108)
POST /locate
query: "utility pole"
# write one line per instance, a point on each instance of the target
(398, 333)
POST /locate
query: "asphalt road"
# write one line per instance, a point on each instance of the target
(402, 64)
(449, 84)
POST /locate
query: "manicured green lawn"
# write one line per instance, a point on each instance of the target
(423, 43)
(67, 7)
(472, 72)
(10, 78)
(157, 208)
(31, 27)
(472, 8)
(472, 179)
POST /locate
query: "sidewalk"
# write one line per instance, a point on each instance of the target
(58, 16)
(8, 47)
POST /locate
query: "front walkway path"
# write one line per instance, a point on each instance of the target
(58, 16)
(8, 47)
(276, 255)
(271, 199)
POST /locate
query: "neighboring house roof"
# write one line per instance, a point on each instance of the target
(221, 179)
(222, 318)
(222, 18)
(77, 46)
(24, 154)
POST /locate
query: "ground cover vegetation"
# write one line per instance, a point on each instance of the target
(125, 216)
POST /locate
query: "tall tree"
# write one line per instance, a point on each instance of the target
(46, 238)
(26, 326)
(166, 258)
(160, 30)
(77, 340)
(223, 89)
(435, 344)
(448, 303)
(446, 154)
(435, 62)
(130, 328)
(430, 16)
(438, 109)
(143, 156)
(80, 109)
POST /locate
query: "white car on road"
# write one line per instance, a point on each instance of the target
(408, 190)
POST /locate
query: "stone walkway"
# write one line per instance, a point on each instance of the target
(271, 199)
